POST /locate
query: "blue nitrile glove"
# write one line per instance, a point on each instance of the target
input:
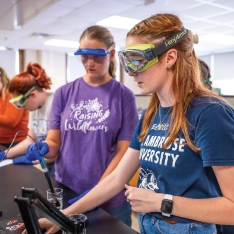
(73, 200)
(36, 150)
(2, 155)
(22, 159)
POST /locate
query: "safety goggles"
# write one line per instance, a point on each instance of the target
(139, 57)
(207, 80)
(21, 100)
(97, 55)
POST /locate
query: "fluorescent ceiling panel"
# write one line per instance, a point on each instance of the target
(118, 22)
(62, 43)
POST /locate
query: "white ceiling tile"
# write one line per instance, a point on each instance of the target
(202, 12)
(73, 3)
(56, 11)
(5, 7)
(219, 29)
(67, 19)
(227, 17)
(106, 7)
(135, 2)
(39, 21)
(56, 29)
(225, 3)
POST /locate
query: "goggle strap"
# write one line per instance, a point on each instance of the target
(25, 95)
(149, 54)
(170, 42)
(29, 91)
(90, 51)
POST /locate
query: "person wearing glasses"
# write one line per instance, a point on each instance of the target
(29, 93)
(91, 122)
(183, 142)
(205, 74)
(12, 119)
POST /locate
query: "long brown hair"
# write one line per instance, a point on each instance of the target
(34, 75)
(103, 35)
(186, 83)
(5, 83)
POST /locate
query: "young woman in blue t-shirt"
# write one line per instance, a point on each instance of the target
(183, 142)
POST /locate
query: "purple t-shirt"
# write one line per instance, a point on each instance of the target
(92, 119)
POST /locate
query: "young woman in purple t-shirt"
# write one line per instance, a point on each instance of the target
(91, 123)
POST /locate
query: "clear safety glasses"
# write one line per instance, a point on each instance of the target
(97, 55)
(139, 57)
(21, 100)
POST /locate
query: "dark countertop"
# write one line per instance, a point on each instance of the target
(14, 177)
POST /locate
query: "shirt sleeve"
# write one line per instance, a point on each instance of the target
(129, 116)
(12, 115)
(215, 135)
(55, 113)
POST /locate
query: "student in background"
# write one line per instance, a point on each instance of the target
(183, 142)
(205, 74)
(92, 121)
(12, 119)
(28, 91)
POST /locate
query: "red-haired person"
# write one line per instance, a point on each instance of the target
(183, 142)
(12, 119)
(29, 92)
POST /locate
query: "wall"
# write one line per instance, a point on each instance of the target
(222, 75)
(9, 62)
(75, 68)
(54, 64)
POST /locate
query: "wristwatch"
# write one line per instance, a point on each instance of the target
(167, 205)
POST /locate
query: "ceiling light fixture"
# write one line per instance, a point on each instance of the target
(3, 48)
(62, 43)
(115, 21)
(217, 39)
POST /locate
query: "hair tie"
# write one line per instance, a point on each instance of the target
(194, 39)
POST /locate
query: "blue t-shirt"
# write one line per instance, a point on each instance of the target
(178, 170)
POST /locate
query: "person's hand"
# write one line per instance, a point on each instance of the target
(44, 224)
(22, 159)
(2, 155)
(36, 150)
(143, 200)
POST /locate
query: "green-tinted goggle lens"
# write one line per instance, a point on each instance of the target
(134, 58)
(21, 100)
